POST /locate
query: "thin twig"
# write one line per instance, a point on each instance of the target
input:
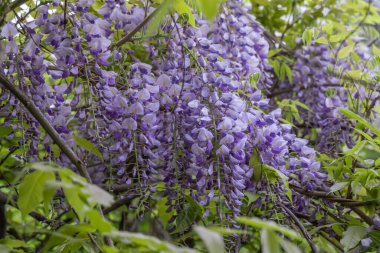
(119, 203)
(130, 35)
(299, 224)
(356, 28)
(11, 151)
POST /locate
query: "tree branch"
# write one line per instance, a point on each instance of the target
(10, 7)
(350, 203)
(299, 224)
(119, 203)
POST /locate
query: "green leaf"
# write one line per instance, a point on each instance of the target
(287, 70)
(182, 8)
(356, 74)
(98, 222)
(66, 234)
(72, 194)
(352, 236)
(322, 40)
(225, 231)
(376, 50)
(289, 247)
(48, 193)
(276, 67)
(12, 243)
(345, 51)
(269, 225)
(31, 190)
(56, 150)
(156, 21)
(307, 36)
(98, 195)
(209, 8)
(269, 242)
(149, 243)
(337, 186)
(4, 131)
(336, 38)
(213, 241)
(352, 115)
(88, 146)
(256, 164)
(377, 162)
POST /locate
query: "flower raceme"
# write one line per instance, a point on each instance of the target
(188, 116)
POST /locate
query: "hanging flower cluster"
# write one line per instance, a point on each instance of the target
(187, 117)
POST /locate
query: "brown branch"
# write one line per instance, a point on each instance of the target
(65, 14)
(331, 197)
(321, 194)
(330, 240)
(350, 203)
(116, 189)
(362, 215)
(299, 224)
(10, 7)
(119, 203)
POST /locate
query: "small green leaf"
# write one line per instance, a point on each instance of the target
(4, 131)
(88, 146)
(226, 231)
(256, 164)
(288, 71)
(213, 241)
(307, 36)
(345, 51)
(376, 50)
(182, 8)
(322, 40)
(352, 115)
(336, 38)
(337, 186)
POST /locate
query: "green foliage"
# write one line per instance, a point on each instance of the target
(31, 190)
(271, 241)
(88, 146)
(213, 241)
(352, 236)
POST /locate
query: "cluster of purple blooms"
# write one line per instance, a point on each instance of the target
(317, 83)
(188, 118)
